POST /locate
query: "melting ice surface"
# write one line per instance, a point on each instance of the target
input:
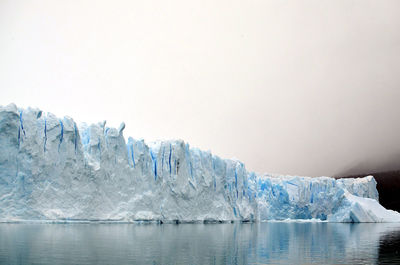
(53, 170)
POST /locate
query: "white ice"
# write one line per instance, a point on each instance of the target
(52, 169)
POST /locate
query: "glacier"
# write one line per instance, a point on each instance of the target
(51, 169)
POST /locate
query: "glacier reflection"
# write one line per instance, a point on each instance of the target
(264, 243)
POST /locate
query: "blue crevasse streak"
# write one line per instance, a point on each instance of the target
(169, 159)
(191, 169)
(189, 160)
(291, 183)
(62, 135)
(21, 123)
(75, 137)
(106, 134)
(154, 159)
(45, 135)
(19, 136)
(99, 147)
(162, 159)
(236, 177)
(132, 155)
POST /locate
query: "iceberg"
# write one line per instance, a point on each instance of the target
(51, 169)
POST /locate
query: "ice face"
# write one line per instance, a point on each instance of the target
(52, 169)
(323, 198)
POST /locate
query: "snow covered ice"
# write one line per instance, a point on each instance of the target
(53, 170)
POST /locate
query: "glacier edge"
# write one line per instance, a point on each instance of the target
(51, 169)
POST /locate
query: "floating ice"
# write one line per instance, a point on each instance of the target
(51, 169)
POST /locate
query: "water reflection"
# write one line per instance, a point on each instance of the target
(389, 248)
(265, 243)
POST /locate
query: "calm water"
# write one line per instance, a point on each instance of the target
(265, 243)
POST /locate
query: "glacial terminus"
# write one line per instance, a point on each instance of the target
(53, 170)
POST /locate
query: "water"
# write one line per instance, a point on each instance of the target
(264, 243)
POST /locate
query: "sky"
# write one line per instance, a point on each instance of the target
(289, 87)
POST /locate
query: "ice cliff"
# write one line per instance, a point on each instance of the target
(51, 169)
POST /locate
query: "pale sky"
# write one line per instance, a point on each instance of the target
(291, 87)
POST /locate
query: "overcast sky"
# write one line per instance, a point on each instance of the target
(292, 87)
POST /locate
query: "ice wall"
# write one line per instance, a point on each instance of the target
(323, 198)
(52, 170)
